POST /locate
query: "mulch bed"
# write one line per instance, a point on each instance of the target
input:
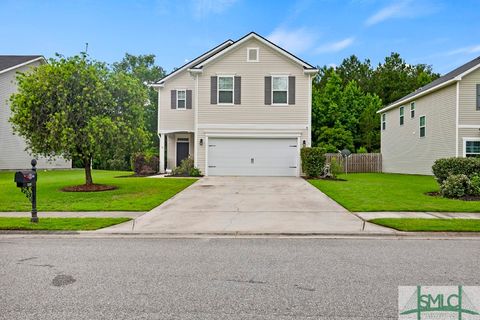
(89, 188)
(464, 198)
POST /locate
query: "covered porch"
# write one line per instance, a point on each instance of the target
(174, 147)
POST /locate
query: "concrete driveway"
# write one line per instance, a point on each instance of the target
(247, 205)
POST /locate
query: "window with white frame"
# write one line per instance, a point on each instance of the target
(412, 110)
(423, 125)
(252, 54)
(225, 89)
(472, 148)
(181, 99)
(384, 121)
(402, 115)
(279, 90)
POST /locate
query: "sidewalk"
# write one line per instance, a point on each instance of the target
(422, 215)
(86, 214)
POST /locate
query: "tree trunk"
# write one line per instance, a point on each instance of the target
(88, 171)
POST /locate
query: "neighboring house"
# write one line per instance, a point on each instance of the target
(242, 108)
(441, 119)
(12, 147)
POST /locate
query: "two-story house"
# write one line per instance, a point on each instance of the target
(439, 120)
(13, 149)
(242, 109)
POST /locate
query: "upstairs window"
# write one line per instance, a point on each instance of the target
(181, 99)
(423, 125)
(225, 90)
(384, 121)
(472, 148)
(279, 89)
(412, 110)
(478, 97)
(252, 54)
(402, 115)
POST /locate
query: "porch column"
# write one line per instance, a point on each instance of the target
(162, 153)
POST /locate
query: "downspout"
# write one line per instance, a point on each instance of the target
(195, 124)
(310, 110)
(457, 107)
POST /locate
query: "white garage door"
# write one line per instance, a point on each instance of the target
(252, 157)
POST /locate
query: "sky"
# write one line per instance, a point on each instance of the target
(442, 33)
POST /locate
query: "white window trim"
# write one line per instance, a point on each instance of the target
(185, 108)
(271, 93)
(465, 139)
(402, 123)
(414, 105)
(419, 126)
(218, 90)
(248, 54)
(384, 121)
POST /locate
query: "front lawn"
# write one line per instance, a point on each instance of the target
(452, 225)
(390, 192)
(133, 194)
(71, 224)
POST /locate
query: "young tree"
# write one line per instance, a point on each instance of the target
(77, 107)
(143, 68)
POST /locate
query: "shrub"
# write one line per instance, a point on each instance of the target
(313, 161)
(335, 167)
(475, 185)
(362, 150)
(187, 169)
(145, 165)
(443, 168)
(455, 186)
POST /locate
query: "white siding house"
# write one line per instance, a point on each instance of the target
(439, 120)
(13, 153)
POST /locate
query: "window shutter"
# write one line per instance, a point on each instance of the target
(173, 94)
(237, 90)
(478, 97)
(291, 90)
(268, 90)
(213, 90)
(189, 99)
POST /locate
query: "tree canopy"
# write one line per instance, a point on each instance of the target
(78, 108)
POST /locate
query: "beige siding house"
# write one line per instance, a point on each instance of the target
(243, 108)
(13, 153)
(441, 119)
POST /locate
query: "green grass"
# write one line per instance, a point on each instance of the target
(74, 224)
(133, 194)
(453, 225)
(390, 192)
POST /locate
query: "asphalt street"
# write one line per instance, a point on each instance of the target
(134, 278)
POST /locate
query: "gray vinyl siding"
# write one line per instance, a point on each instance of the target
(466, 133)
(403, 150)
(468, 113)
(252, 108)
(12, 147)
(174, 119)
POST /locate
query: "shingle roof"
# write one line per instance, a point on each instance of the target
(7, 62)
(447, 77)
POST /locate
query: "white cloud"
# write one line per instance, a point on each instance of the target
(335, 46)
(298, 40)
(203, 8)
(402, 9)
(465, 50)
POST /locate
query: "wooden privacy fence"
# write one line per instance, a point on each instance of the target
(358, 162)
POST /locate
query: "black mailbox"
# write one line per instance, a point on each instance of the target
(25, 178)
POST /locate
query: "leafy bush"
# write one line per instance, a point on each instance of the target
(443, 168)
(335, 167)
(313, 161)
(455, 186)
(362, 150)
(145, 165)
(117, 164)
(187, 169)
(475, 185)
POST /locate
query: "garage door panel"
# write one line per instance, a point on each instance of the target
(252, 156)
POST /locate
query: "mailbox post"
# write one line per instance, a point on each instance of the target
(27, 181)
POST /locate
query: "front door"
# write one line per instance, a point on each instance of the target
(182, 150)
